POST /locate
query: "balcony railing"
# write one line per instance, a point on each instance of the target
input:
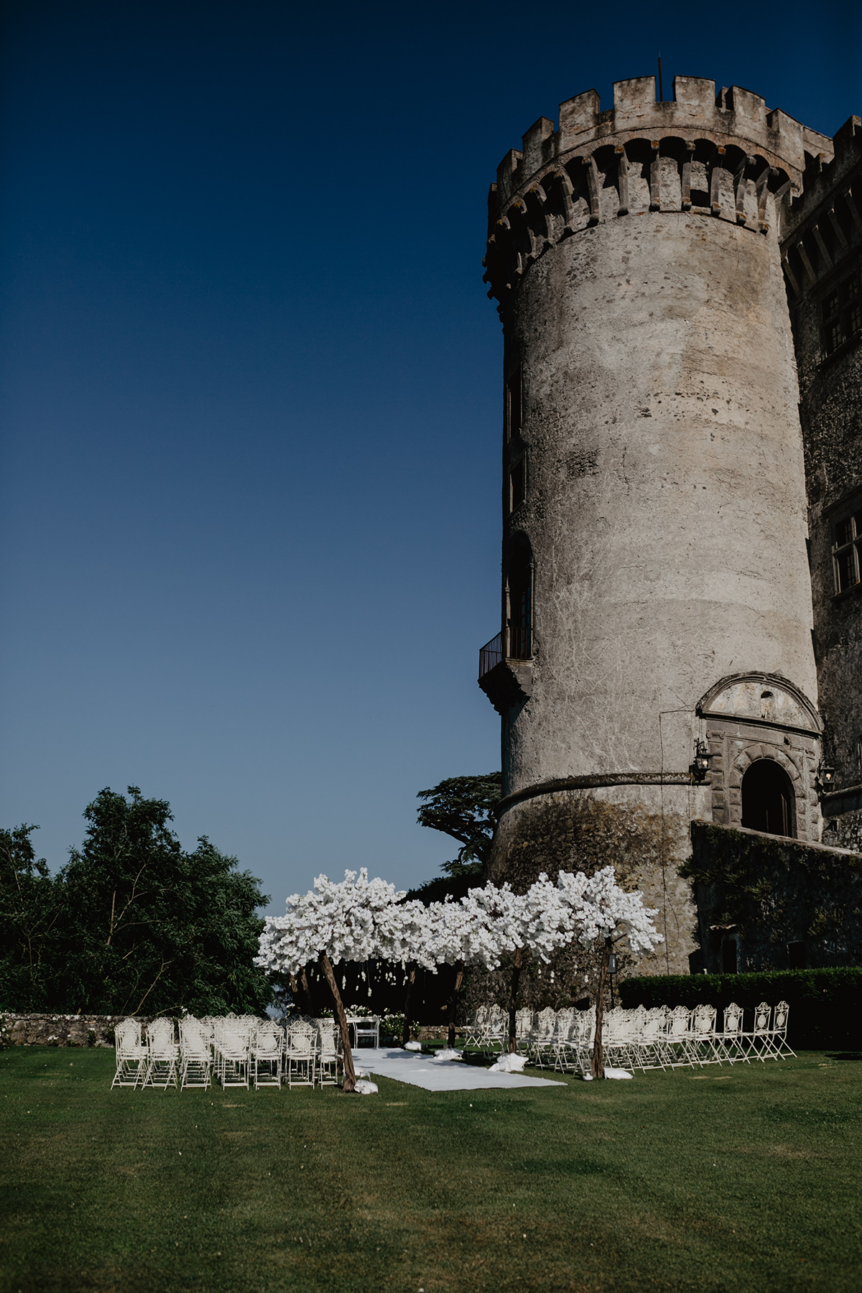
(520, 648)
(490, 654)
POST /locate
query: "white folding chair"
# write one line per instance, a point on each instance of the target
(266, 1055)
(232, 1053)
(575, 1052)
(367, 1028)
(731, 1039)
(679, 1048)
(299, 1055)
(618, 1037)
(328, 1053)
(542, 1038)
(760, 1037)
(131, 1054)
(162, 1054)
(195, 1054)
(650, 1050)
(704, 1047)
(476, 1024)
(779, 1031)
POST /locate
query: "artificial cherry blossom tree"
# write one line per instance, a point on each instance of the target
(475, 931)
(353, 920)
(601, 909)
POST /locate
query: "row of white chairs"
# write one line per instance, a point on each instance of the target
(639, 1038)
(235, 1050)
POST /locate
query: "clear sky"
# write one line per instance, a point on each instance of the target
(251, 392)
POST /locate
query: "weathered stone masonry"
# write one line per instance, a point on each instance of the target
(656, 583)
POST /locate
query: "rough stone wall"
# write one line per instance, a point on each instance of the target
(61, 1030)
(641, 831)
(772, 892)
(844, 831)
(822, 245)
(665, 503)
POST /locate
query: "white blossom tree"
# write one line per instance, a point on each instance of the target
(359, 919)
(474, 931)
(601, 909)
(353, 920)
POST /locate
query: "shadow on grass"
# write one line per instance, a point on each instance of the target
(845, 1055)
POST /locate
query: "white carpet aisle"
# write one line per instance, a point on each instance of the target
(442, 1075)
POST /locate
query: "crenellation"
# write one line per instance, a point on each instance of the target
(506, 176)
(696, 122)
(693, 96)
(577, 116)
(747, 108)
(534, 151)
(634, 99)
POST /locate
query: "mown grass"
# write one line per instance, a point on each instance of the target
(716, 1180)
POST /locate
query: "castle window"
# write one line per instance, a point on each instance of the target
(517, 484)
(519, 625)
(847, 551)
(842, 313)
(513, 405)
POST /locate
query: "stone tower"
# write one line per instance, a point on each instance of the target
(657, 600)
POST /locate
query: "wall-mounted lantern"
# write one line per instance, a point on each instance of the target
(699, 767)
(825, 779)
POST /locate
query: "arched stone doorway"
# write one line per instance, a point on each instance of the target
(757, 718)
(768, 799)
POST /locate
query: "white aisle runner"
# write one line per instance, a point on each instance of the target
(439, 1075)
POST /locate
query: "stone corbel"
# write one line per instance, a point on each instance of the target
(508, 684)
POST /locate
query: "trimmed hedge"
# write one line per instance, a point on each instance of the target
(825, 1005)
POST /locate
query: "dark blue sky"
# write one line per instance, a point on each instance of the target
(251, 393)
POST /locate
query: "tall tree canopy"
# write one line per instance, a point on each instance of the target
(143, 927)
(463, 807)
(29, 912)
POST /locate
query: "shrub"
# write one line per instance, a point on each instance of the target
(824, 1004)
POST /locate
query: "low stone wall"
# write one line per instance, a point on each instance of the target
(58, 1030)
(98, 1030)
(775, 896)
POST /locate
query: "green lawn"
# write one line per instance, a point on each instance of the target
(722, 1179)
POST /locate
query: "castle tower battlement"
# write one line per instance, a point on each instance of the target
(654, 504)
(724, 155)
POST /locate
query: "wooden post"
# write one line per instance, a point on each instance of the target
(513, 1002)
(453, 1004)
(405, 1036)
(598, 1067)
(349, 1071)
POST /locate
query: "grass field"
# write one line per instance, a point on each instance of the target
(722, 1179)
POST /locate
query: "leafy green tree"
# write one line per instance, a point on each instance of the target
(463, 807)
(147, 928)
(29, 914)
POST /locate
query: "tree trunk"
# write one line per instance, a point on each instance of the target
(307, 1003)
(405, 1036)
(598, 1067)
(453, 1004)
(513, 1002)
(349, 1071)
